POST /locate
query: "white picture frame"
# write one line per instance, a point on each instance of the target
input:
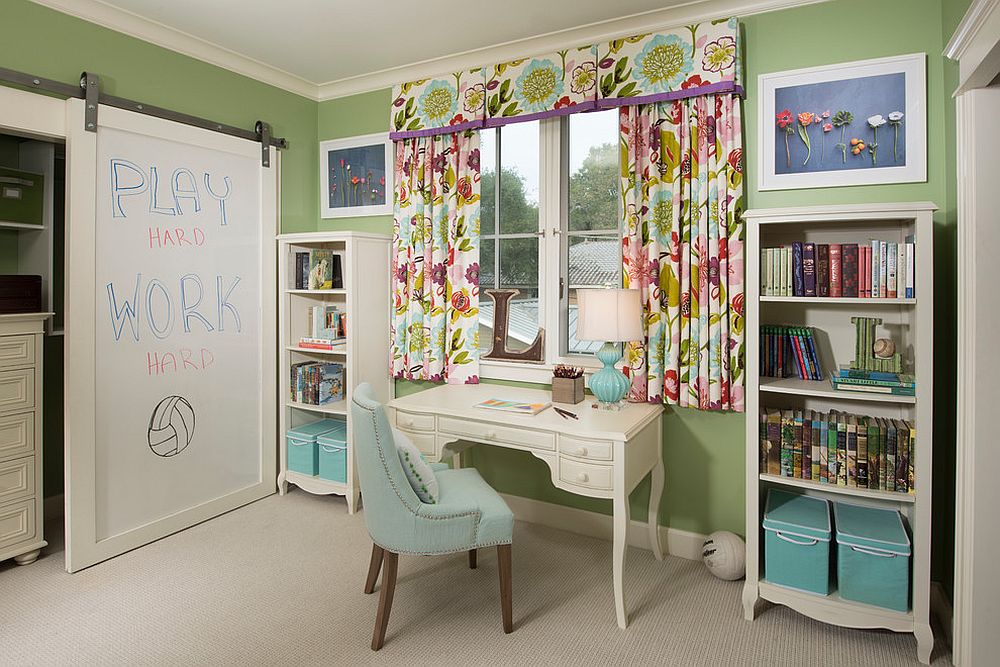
(841, 77)
(362, 146)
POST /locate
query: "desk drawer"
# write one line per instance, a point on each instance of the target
(491, 432)
(590, 475)
(423, 441)
(17, 435)
(17, 389)
(414, 421)
(17, 522)
(17, 351)
(17, 479)
(599, 450)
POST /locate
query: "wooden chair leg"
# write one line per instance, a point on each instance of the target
(390, 561)
(473, 559)
(506, 596)
(373, 568)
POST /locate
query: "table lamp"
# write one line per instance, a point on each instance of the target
(613, 316)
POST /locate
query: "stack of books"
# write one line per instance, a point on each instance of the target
(853, 379)
(327, 328)
(838, 448)
(318, 269)
(873, 270)
(789, 352)
(314, 383)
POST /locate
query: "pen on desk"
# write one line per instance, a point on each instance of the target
(565, 414)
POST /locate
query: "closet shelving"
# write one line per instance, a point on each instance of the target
(909, 322)
(363, 297)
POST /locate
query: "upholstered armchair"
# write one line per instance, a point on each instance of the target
(469, 514)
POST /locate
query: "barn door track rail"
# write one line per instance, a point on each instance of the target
(89, 90)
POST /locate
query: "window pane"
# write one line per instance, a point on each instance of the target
(594, 260)
(487, 180)
(518, 269)
(593, 170)
(487, 264)
(519, 178)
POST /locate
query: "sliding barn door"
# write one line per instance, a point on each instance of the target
(170, 331)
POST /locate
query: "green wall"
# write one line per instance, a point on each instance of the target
(703, 452)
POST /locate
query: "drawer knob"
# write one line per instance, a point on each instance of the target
(582, 477)
(582, 451)
(408, 423)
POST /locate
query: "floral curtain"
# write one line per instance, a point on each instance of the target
(435, 326)
(443, 105)
(555, 84)
(682, 191)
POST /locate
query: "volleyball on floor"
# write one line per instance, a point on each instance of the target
(171, 427)
(725, 555)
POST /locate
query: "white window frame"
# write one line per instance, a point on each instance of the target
(553, 302)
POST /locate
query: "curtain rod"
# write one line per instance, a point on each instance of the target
(89, 89)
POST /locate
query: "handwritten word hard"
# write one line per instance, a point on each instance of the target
(175, 237)
(128, 180)
(161, 363)
(160, 308)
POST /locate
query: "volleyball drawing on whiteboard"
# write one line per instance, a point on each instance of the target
(171, 426)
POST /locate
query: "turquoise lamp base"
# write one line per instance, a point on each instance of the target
(609, 384)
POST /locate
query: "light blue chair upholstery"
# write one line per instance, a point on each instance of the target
(470, 514)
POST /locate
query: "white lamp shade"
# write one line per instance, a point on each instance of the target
(613, 315)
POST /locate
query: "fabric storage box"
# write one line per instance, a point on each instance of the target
(332, 449)
(303, 451)
(797, 542)
(873, 556)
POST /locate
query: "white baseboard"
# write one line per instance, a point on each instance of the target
(941, 610)
(681, 543)
(54, 506)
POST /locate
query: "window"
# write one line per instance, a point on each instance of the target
(549, 224)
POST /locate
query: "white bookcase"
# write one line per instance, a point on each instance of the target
(365, 299)
(910, 323)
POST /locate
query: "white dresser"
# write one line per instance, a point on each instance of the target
(21, 436)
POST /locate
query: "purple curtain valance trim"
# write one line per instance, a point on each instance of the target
(689, 61)
(710, 89)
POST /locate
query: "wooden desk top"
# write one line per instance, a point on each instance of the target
(458, 401)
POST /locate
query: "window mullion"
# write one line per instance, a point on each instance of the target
(496, 211)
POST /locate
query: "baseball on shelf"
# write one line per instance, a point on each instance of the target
(884, 348)
(725, 555)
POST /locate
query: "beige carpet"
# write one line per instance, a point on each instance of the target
(279, 582)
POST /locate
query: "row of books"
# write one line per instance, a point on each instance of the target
(853, 379)
(789, 352)
(327, 327)
(315, 383)
(838, 448)
(878, 270)
(318, 269)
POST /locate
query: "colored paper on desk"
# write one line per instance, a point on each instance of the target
(512, 406)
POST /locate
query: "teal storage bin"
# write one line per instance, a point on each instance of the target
(332, 449)
(303, 451)
(873, 556)
(797, 542)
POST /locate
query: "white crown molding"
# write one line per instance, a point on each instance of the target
(976, 46)
(690, 12)
(119, 20)
(974, 19)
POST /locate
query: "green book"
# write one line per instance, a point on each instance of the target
(797, 446)
(873, 455)
(862, 434)
(841, 450)
(787, 440)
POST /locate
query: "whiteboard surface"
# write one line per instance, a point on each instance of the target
(177, 335)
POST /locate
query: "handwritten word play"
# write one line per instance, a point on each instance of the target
(161, 363)
(130, 180)
(157, 309)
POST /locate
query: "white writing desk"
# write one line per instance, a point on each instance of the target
(603, 455)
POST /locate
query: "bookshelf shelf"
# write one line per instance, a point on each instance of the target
(365, 268)
(822, 389)
(909, 323)
(893, 496)
(839, 300)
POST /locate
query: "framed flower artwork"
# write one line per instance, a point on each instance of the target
(356, 176)
(856, 123)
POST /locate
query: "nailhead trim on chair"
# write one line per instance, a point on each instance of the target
(474, 513)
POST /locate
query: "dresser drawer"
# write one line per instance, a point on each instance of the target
(17, 479)
(17, 351)
(590, 475)
(599, 450)
(422, 441)
(17, 522)
(491, 432)
(414, 421)
(17, 389)
(17, 435)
